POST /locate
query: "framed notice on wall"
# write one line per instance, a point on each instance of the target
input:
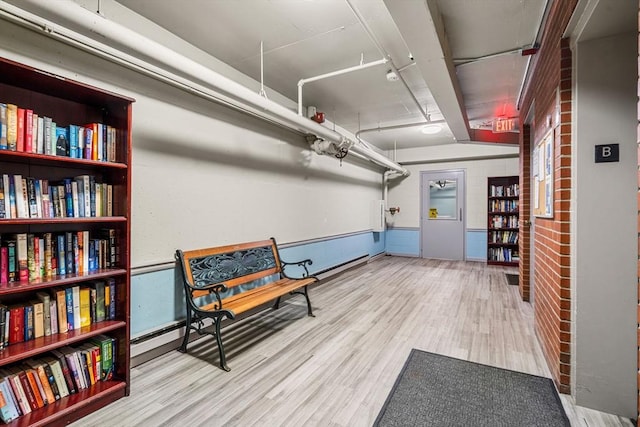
(542, 176)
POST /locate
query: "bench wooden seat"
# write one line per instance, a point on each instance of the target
(215, 281)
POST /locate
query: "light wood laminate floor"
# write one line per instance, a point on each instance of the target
(336, 369)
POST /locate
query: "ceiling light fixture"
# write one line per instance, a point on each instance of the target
(431, 129)
(392, 77)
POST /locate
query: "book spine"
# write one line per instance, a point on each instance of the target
(40, 138)
(51, 379)
(31, 259)
(68, 238)
(28, 322)
(21, 254)
(53, 310)
(29, 392)
(68, 194)
(61, 303)
(12, 261)
(3, 197)
(38, 319)
(20, 136)
(69, 306)
(4, 265)
(12, 126)
(3, 127)
(73, 142)
(112, 298)
(28, 131)
(7, 195)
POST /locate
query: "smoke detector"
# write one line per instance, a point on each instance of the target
(392, 77)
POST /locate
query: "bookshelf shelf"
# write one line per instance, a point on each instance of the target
(503, 218)
(35, 221)
(82, 229)
(48, 160)
(17, 352)
(67, 279)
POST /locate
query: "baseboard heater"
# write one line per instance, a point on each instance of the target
(168, 338)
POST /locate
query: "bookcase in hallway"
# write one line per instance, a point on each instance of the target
(503, 214)
(69, 145)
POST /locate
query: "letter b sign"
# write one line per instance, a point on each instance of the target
(607, 153)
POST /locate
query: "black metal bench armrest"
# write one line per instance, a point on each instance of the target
(302, 264)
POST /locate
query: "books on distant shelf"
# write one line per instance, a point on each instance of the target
(69, 309)
(77, 197)
(39, 382)
(23, 129)
(39, 256)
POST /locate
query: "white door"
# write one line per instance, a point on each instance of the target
(442, 225)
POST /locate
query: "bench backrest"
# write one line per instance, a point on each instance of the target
(232, 265)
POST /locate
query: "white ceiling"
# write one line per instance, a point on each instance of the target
(456, 75)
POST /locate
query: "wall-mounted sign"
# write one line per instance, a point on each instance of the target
(607, 153)
(506, 125)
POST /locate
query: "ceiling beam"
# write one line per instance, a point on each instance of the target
(422, 29)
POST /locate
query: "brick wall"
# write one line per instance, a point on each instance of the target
(550, 88)
(524, 241)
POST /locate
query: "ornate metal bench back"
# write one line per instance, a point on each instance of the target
(225, 267)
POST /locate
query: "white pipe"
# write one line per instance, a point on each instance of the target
(391, 127)
(302, 82)
(344, 71)
(241, 97)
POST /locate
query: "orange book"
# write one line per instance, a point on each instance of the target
(44, 381)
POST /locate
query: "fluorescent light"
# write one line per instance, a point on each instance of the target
(431, 129)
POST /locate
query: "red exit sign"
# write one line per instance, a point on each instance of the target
(505, 125)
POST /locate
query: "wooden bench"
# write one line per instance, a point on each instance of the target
(212, 279)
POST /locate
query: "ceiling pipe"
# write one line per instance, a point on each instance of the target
(536, 42)
(391, 127)
(362, 66)
(384, 54)
(232, 93)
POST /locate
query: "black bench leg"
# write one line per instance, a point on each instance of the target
(187, 331)
(277, 304)
(223, 359)
(309, 310)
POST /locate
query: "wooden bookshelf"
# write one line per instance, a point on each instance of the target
(69, 102)
(503, 218)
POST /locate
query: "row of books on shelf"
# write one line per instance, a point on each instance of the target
(28, 257)
(58, 312)
(503, 205)
(22, 129)
(512, 190)
(503, 255)
(504, 221)
(510, 237)
(42, 381)
(78, 197)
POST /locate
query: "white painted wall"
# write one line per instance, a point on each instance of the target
(605, 234)
(204, 175)
(405, 193)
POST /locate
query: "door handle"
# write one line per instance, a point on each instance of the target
(461, 214)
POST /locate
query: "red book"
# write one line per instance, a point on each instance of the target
(21, 124)
(4, 265)
(28, 131)
(26, 386)
(16, 324)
